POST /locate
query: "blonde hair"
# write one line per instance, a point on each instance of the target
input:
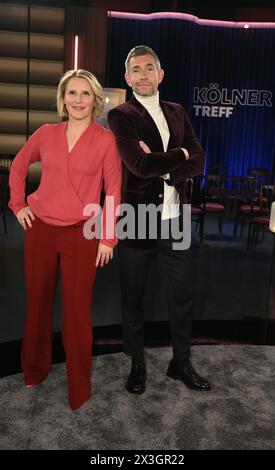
(95, 86)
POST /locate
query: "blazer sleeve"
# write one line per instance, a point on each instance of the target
(195, 164)
(134, 158)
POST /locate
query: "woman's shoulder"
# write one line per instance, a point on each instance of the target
(105, 133)
(47, 128)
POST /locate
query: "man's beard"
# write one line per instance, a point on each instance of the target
(149, 92)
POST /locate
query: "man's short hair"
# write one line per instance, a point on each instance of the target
(141, 50)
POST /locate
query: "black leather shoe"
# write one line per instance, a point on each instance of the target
(136, 382)
(188, 376)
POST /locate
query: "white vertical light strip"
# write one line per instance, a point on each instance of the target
(75, 52)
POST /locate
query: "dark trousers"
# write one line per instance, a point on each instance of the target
(179, 272)
(46, 248)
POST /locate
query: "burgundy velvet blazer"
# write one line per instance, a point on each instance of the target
(141, 184)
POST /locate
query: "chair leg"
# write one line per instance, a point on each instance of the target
(249, 237)
(257, 228)
(5, 223)
(220, 222)
(235, 229)
(242, 225)
(201, 228)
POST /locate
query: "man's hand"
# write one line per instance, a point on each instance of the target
(25, 217)
(104, 255)
(144, 147)
(186, 153)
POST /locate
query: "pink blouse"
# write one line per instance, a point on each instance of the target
(69, 180)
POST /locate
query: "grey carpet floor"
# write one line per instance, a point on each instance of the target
(239, 412)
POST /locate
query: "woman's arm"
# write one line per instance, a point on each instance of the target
(112, 174)
(19, 169)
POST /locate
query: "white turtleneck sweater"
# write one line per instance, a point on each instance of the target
(171, 196)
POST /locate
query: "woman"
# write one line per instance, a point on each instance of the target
(76, 155)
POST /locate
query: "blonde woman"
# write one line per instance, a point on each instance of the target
(76, 154)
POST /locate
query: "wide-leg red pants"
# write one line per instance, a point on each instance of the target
(47, 248)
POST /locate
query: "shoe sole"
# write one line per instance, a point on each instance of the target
(138, 392)
(192, 387)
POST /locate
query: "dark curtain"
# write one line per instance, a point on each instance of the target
(199, 56)
(90, 24)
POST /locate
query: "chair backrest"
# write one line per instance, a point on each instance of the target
(189, 189)
(5, 161)
(260, 173)
(214, 185)
(216, 169)
(197, 190)
(249, 189)
(267, 196)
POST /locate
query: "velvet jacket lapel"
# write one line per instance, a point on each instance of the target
(146, 125)
(148, 129)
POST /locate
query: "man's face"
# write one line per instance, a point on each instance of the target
(143, 75)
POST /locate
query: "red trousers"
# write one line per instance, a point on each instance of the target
(47, 248)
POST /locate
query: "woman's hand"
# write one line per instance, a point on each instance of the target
(104, 254)
(25, 217)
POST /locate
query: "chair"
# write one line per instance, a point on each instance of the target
(255, 225)
(4, 195)
(213, 187)
(261, 221)
(249, 196)
(194, 197)
(264, 176)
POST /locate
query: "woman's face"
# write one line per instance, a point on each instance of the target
(79, 99)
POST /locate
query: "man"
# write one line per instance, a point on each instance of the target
(159, 150)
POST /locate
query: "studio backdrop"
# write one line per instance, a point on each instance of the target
(223, 74)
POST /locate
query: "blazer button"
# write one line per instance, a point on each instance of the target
(160, 196)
